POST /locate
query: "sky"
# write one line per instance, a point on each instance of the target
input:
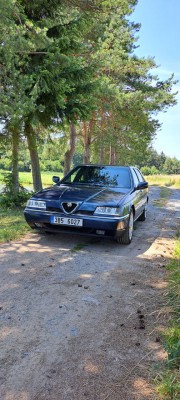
(159, 37)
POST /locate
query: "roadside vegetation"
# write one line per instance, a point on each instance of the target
(26, 180)
(164, 180)
(168, 379)
(13, 224)
(163, 197)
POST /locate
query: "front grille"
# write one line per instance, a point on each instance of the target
(59, 210)
(69, 207)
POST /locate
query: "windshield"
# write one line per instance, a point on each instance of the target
(103, 176)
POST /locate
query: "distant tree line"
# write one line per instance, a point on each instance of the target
(155, 163)
(51, 158)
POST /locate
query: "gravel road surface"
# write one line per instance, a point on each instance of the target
(80, 318)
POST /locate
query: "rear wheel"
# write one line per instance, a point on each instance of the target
(127, 235)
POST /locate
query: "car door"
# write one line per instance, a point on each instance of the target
(142, 192)
(136, 194)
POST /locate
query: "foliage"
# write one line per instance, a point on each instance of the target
(9, 197)
(51, 153)
(149, 170)
(50, 165)
(162, 163)
(171, 166)
(73, 62)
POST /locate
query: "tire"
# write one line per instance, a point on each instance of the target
(144, 214)
(126, 238)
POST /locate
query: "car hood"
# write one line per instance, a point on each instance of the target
(80, 194)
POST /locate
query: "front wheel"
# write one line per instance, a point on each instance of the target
(127, 235)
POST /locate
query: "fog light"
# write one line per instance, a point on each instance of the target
(38, 225)
(98, 232)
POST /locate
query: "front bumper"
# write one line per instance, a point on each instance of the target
(92, 225)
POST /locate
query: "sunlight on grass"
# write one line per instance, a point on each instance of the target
(163, 197)
(78, 247)
(26, 177)
(13, 225)
(164, 180)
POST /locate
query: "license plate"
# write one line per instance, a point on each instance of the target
(66, 221)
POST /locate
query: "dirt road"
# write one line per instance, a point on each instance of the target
(81, 318)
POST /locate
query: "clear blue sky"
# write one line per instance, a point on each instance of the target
(159, 37)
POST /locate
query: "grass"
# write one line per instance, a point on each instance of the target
(164, 180)
(78, 247)
(168, 380)
(26, 177)
(13, 225)
(163, 197)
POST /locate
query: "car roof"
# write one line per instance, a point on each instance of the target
(104, 165)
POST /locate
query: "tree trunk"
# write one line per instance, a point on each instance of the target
(101, 153)
(103, 123)
(112, 155)
(15, 148)
(32, 145)
(86, 142)
(70, 152)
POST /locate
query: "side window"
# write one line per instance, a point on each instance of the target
(139, 175)
(71, 177)
(136, 181)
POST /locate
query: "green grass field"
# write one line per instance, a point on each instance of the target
(26, 177)
(164, 180)
(159, 180)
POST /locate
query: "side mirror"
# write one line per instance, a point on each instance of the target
(55, 179)
(142, 185)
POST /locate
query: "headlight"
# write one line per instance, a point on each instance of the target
(107, 210)
(36, 204)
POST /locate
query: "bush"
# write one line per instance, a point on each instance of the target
(5, 164)
(49, 165)
(154, 170)
(149, 170)
(11, 198)
(146, 170)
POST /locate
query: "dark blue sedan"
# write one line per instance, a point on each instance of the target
(96, 200)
